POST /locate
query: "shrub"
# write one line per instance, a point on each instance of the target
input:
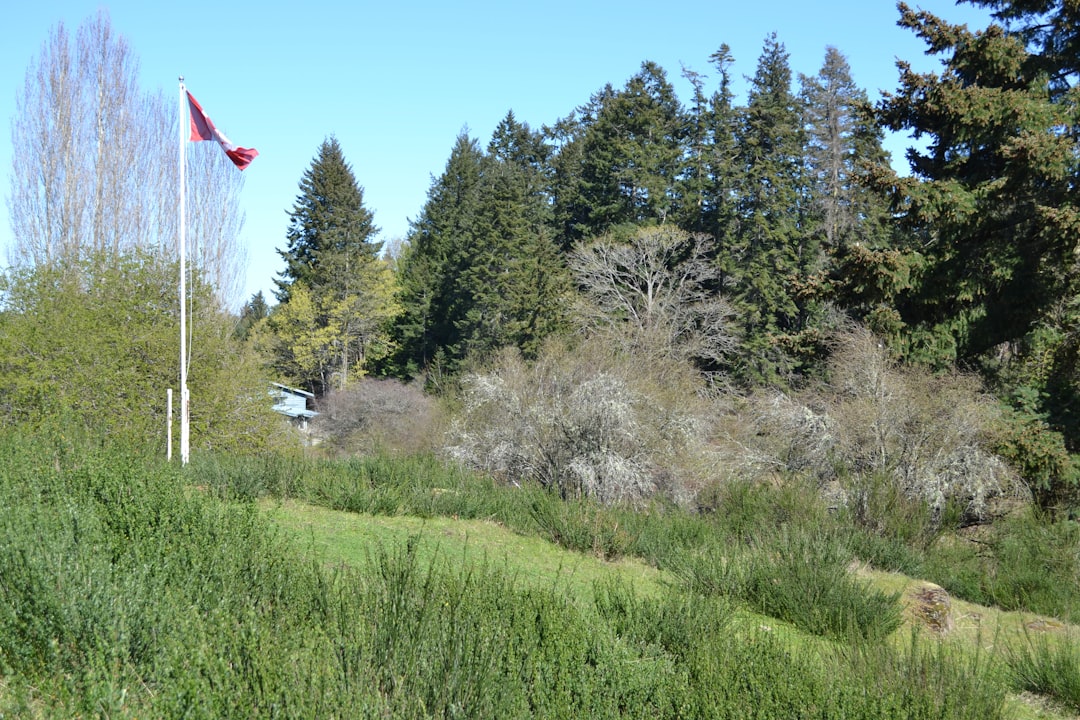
(1039, 454)
(878, 431)
(581, 421)
(1019, 563)
(1048, 666)
(929, 433)
(799, 576)
(378, 415)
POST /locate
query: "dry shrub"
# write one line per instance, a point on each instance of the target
(927, 434)
(378, 416)
(583, 421)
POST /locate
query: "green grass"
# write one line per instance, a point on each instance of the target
(129, 589)
(351, 538)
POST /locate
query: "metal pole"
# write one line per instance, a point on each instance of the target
(184, 396)
(168, 424)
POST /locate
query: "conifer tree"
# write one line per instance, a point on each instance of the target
(333, 259)
(862, 271)
(706, 190)
(619, 158)
(770, 254)
(438, 242)
(992, 205)
(482, 270)
(991, 199)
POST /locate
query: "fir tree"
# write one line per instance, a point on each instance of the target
(329, 227)
(482, 270)
(861, 270)
(332, 262)
(770, 253)
(707, 188)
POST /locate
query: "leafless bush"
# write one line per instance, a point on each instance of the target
(579, 420)
(378, 415)
(928, 433)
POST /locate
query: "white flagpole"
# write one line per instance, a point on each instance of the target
(185, 429)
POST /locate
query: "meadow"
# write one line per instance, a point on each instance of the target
(279, 586)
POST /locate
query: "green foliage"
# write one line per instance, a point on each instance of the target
(127, 593)
(1017, 563)
(1039, 454)
(97, 345)
(481, 270)
(770, 256)
(798, 576)
(337, 295)
(990, 205)
(1047, 665)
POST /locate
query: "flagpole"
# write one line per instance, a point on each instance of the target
(185, 429)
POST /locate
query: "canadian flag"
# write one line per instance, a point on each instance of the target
(202, 128)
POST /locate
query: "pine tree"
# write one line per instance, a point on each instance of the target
(993, 204)
(254, 311)
(991, 198)
(619, 158)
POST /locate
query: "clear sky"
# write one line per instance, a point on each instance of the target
(396, 82)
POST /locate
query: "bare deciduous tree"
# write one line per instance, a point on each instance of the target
(656, 292)
(94, 168)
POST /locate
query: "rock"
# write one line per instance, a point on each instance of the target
(932, 606)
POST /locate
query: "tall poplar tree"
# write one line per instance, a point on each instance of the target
(75, 191)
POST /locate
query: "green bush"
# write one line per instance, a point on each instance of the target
(799, 576)
(125, 591)
(1039, 454)
(1020, 563)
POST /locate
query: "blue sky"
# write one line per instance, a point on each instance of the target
(396, 82)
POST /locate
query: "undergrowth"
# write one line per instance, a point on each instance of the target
(128, 590)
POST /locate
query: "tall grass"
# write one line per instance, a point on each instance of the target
(1047, 665)
(127, 592)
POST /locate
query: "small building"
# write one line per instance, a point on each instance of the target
(292, 403)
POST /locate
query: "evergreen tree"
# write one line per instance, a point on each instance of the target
(851, 220)
(481, 270)
(707, 188)
(770, 255)
(991, 200)
(992, 204)
(620, 157)
(334, 261)
(438, 242)
(329, 227)
(254, 311)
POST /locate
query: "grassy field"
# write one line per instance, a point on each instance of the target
(280, 587)
(350, 538)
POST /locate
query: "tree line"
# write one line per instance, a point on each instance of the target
(736, 235)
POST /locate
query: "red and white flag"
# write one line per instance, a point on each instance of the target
(202, 128)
